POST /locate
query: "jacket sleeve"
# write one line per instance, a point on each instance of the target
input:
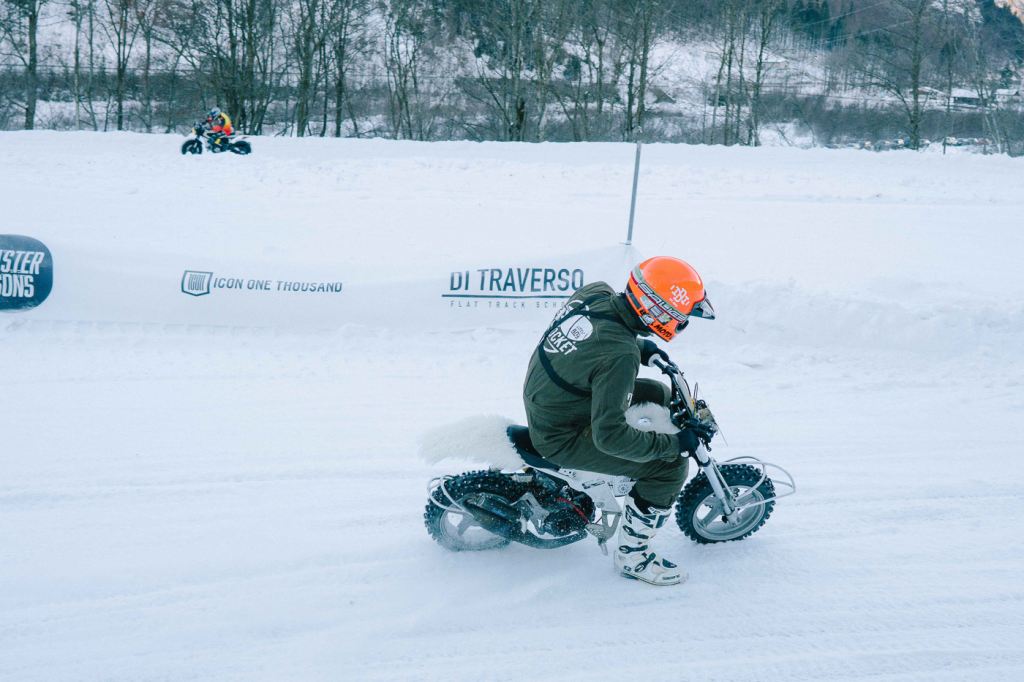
(612, 386)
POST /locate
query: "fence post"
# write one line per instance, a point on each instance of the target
(632, 201)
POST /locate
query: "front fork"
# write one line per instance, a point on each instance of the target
(718, 484)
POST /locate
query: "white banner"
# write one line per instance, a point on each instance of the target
(106, 286)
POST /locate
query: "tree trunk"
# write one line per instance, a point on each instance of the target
(718, 88)
(306, 49)
(32, 70)
(916, 59)
(339, 100)
(645, 58)
(90, 81)
(741, 95)
(768, 15)
(147, 95)
(78, 65)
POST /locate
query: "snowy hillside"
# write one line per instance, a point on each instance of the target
(182, 499)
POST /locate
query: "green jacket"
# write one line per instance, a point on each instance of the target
(600, 356)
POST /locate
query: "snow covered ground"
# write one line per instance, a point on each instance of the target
(244, 503)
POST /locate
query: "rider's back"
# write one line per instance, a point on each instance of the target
(587, 353)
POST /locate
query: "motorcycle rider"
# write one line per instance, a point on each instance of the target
(583, 377)
(218, 126)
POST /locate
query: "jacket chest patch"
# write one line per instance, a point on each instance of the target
(577, 328)
(563, 338)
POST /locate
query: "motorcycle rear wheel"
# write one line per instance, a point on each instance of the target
(459, 531)
(699, 514)
(241, 147)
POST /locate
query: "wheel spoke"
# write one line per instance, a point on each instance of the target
(466, 522)
(712, 521)
(748, 496)
(714, 507)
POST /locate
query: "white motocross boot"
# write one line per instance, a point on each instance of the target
(633, 559)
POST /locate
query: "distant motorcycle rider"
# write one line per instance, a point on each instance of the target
(218, 126)
(583, 377)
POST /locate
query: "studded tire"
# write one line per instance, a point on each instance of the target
(442, 524)
(192, 146)
(695, 507)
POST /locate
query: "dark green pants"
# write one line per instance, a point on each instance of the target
(658, 482)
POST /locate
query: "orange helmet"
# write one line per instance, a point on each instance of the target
(665, 293)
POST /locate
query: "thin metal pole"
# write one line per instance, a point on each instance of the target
(632, 201)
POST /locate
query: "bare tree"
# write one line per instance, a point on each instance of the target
(309, 34)
(80, 12)
(410, 40)
(550, 35)
(327, 36)
(19, 28)
(638, 30)
(347, 39)
(504, 42)
(768, 14)
(146, 12)
(403, 47)
(234, 44)
(893, 58)
(734, 24)
(593, 66)
(122, 22)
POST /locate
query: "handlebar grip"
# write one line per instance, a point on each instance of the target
(666, 367)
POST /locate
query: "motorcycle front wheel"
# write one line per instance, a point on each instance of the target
(456, 529)
(699, 513)
(192, 146)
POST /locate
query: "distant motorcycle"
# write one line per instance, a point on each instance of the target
(229, 143)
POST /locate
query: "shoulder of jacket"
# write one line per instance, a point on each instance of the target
(593, 289)
(615, 340)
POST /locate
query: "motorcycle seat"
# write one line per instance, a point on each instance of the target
(520, 437)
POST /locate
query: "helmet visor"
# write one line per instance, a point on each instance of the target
(703, 309)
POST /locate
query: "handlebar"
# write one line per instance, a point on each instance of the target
(683, 405)
(667, 367)
(685, 409)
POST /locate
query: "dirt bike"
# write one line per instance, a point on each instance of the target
(229, 143)
(542, 505)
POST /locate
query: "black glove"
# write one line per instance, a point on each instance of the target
(688, 441)
(649, 350)
(703, 431)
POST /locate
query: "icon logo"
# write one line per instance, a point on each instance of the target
(679, 296)
(195, 283)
